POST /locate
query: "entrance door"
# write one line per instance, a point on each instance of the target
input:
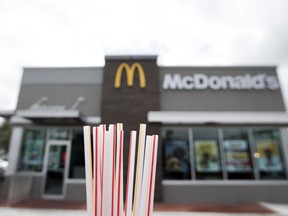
(56, 162)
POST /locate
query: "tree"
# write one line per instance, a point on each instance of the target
(5, 133)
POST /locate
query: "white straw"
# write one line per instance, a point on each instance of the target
(146, 175)
(152, 179)
(130, 175)
(139, 170)
(113, 170)
(97, 170)
(107, 173)
(102, 129)
(88, 169)
(120, 190)
(117, 172)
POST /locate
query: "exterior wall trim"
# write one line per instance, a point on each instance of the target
(238, 118)
(223, 182)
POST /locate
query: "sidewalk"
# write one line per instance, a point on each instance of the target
(60, 208)
(4, 211)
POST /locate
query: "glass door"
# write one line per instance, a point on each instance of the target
(56, 169)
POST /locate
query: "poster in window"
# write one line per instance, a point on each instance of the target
(238, 161)
(270, 159)
(34, 152)
(207, 156)
(176, 156)
(236, 145)
(237, 156)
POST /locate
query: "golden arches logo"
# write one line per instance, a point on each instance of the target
(130, 75)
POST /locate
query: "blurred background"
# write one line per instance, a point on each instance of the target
(215, 90)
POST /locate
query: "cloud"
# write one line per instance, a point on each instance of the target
(181, 32)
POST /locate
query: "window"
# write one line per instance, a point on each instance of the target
(77, 161)
(222, 153)
(176, 154)
(207, 154)
(268, 154)
(237, 154)
(59, 134)
(32, 151)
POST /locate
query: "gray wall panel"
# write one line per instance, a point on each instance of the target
(63, 75)
(75, 192)
(63, 94)
(36, 191)
(244, 193)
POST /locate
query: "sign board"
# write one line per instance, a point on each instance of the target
(200, 81)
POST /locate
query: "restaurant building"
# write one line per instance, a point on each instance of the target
(223, 130)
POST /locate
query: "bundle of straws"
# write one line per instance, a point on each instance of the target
(104, 175)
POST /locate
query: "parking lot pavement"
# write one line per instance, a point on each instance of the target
(6, 211)
(280, 209)
(45, 208)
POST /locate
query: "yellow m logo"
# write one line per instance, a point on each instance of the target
(130, 75)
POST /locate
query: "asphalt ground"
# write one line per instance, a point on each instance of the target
(57, 208)
(63, 208)
(159, 207)
(41, 212)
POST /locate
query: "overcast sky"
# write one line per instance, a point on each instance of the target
(181, 32)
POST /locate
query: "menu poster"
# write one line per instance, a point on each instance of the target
(238, 162)
(270, 159)
(236, 145)
(207, 156)
(177, 156)
(237, 156)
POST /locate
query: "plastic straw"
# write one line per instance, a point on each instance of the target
(120, 181)
(104, 186)
(95, 179)
(130, 174)
(153, 175)
(88, 168)
(139, 170)
(107, 173)
(146, 171)
(102, 144)
(97, 141)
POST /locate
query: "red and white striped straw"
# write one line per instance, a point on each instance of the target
(113, 170)
(152, 175)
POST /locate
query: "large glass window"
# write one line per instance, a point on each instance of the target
(32, 151)
(237, 154)
(176, 154)
(77, 161)
(223, 153)
(207, 154)
(268, 154)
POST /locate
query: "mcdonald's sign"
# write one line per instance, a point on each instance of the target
(130, 70)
